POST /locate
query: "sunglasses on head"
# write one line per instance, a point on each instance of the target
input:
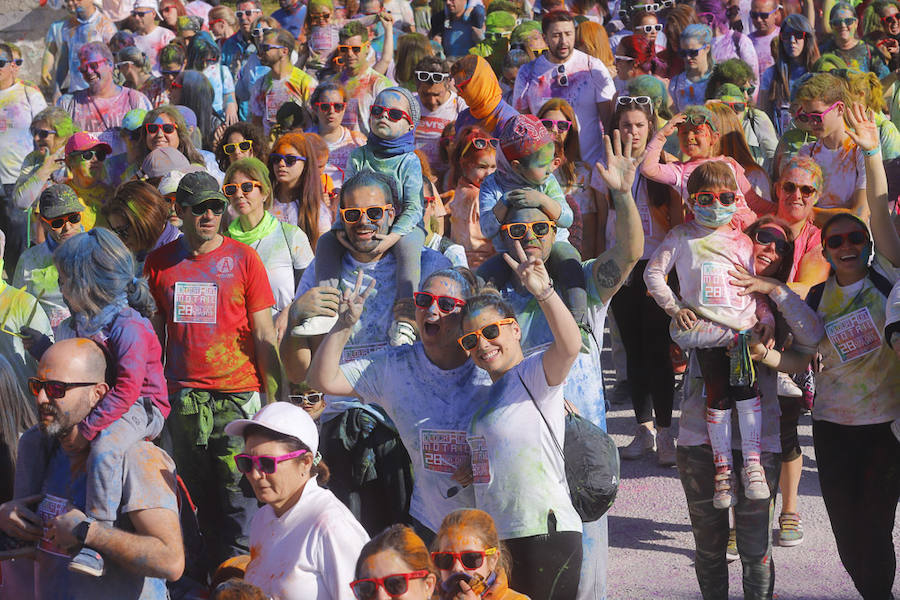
(629, 100)
(87, 155)
(246, 463)
(517, 231)
(42, 134)
(489, 332)
(624, 58)
(310, 399)
(330, 106)
(814, 118)
(737, 107)
(479, 143)
(346, 49)
(561, 125)
(243, 146)
(289, 159)
(231, 189)
(14, 61)
(54, 389)
(762, 15)
(846, 22)
(790, 187)
(216, 206)
(469, 559)
(393, 114)
(58, 222)
(768, 235)
(431, 76)
(374, 213)
(854, 238)
(395, 585)
(709, 198)
(649, 28)
(167, 128)
(446, 304)
(793, 34)
(695, 121)
(686, 53)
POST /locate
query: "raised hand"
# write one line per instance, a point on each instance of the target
(864, 132)
(621, 167)
(530, 270)
(673, 124)
(352, 302)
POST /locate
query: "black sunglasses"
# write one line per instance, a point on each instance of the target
(54, 389)
(856, 238)
(289, 159)
(16, 61)
(216, 206)
(87, 155)
(42, 134)
(766, 236)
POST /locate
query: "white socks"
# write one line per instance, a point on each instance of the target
(718, 426)
(749, 422)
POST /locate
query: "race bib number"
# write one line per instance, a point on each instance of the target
(50, 508)
(350, 115)
(853, 335)
(360, 351)
(714, 287)
(481, 465)
(444, 450)
(196, 302)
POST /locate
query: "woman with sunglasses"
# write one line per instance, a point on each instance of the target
(139, 215)
(329, 103)
(172, 61)
(845, 43)
(297, 186)
(321, 27)
(165, 127)
(513, 453)
(395, 564)
(304, 540)
(470, 556)
(678, 18)
(241, 140)
(689, 86)
(283, 247)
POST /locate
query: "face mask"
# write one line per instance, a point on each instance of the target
(715, 215)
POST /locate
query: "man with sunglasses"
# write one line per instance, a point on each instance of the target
(564, 72)
(144, 546)
(86, 24)
(439, 105)
(215, 319)
(19, 104)
(766, 17)
(149, 37)
(237, 48)
(844, 42)
(283, 83)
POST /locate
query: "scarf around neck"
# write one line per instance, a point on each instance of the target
(383, 148)
(267, 225)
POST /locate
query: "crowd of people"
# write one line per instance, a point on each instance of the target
(301, 305)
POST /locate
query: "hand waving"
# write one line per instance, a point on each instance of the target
(621, 166)
(864, 132)
(530, 270)
(352, 302)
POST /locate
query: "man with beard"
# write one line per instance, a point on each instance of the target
(353, 432)
(144, 546)
(237, 47)
(86, 24)
(283, 83)
(101, 107)
(439, 104)
(564, 72)
(215, 321)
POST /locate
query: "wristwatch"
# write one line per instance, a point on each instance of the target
(81, 530)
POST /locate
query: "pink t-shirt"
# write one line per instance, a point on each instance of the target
(808, 240)
(152, 43)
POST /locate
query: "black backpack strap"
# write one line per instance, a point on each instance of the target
(880, 282)
(547, 423)
(814, 297)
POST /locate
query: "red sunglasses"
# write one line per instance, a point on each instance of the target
(395, 585)
(445, 304)
(393, 114)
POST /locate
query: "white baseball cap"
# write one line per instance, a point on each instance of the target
(153, 4)
(284, 418)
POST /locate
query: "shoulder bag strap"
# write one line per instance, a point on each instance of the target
(540, 412)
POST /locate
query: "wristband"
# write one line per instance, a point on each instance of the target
(81, 530)
(873, 151)
(545, 295)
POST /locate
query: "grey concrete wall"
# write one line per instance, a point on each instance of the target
(25, 24)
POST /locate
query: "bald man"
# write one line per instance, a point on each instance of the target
(144, 547)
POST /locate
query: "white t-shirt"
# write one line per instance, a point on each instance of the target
(152, 43)
(18, 106)
(431, 126)
(844, 169)
(284, 251)
(310, 552)
(519, 473)
(589, 83)
(432, 410)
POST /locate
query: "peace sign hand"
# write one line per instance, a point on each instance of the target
(530, 270)
(352, 302)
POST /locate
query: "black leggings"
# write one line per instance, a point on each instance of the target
(715, 366)
(791, 410)
(546, 566)
(644, 327)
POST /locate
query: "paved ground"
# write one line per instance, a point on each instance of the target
(652, 549)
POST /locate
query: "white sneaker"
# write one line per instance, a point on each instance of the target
(787, 388)
(314, 326)
(665, 447)
(644, 441)
(754, 479)
(402, 333)
(723, 497)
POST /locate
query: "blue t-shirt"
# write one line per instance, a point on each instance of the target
(457, 35)
(291, 18)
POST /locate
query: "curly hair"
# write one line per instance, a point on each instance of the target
(248, 131)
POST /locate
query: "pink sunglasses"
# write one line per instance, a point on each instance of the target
(264, 464)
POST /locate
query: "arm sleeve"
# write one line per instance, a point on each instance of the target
(805, 324)
(860, 169)
(412, 206)
(489, 195)
(301, 252)
(518, 95)
(658, 267)
(35, 100)
(29, 186)
(367, 377)
(604, 87)
(227, 82)
(764, 312)
(554, 191)
(651, 168)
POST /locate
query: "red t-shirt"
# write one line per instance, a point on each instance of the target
(207, 301)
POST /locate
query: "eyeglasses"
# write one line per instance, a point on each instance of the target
(446, 304)
(709, 198)
(266, 47)
(122, 231)
(167, 128)
(330, 106)
(310, 399)
(768, 235)
(15, 61)
(629, 100)
(561, 78)
(847, 22)
(374, 213)
(793, 35)
(815, 118)
(762, 15)
(243, 146)
(58, 222)
(170, 198)
(216, 206)
(231, 189)
(479, 143)
(346, 49)
(459, 86)
(55, 389)
(737, 107)
(696, 121)
(289, 159)
(518, 230)
(246, 463)
(889, 19)
(469, 559)
(667, 4)
(246, 13)
(685, 53)
(855, 238)
(561, 125)
(393, 114)
(806, 191)
(489, 332)
(87, 155)
(395, 585)
(42, 134)
(431, 76)
(649, 28)
(92, 66)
